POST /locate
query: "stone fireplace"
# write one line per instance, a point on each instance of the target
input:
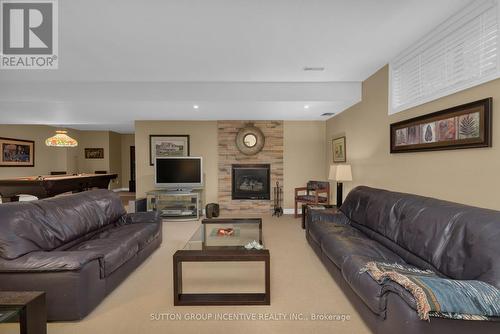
(251, 181)
(271, 155)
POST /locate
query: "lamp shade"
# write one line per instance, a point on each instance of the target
(340, 173)
(61, 139)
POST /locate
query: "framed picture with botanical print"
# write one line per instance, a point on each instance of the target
(464, 126)
(161, 146)
(17, 153)
(339, 153)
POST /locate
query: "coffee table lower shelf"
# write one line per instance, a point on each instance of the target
(208, 299)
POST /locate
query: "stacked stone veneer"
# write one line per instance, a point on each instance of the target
(272, 153)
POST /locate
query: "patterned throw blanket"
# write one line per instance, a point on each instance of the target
(439, 297)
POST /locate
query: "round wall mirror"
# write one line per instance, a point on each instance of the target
(250, 140)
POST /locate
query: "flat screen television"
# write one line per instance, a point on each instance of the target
(179, 172)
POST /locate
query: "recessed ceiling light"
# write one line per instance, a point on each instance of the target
(328, 114)
(196, 106)
(306, 106)
(314, 68)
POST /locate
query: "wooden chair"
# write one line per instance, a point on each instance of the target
(315, 193)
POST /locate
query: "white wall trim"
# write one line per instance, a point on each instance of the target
(291, 211)
(120, 189)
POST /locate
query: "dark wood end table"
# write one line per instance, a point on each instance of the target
(305, 207)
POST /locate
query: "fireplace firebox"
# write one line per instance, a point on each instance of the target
(251, 182)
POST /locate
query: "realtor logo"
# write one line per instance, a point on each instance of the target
(28, 34)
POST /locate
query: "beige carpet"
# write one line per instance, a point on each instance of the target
(300, 285)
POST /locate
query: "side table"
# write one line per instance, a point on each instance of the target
(306, 207)
(28, 307)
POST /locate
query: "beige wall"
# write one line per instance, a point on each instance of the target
(127, 141)
(115, 158)
(203, 142)
(71, 160)
(468, 176)
(93, 139)
(304, 156)
(304, 153)
(47, 159)
(111, 142)
(73, 154)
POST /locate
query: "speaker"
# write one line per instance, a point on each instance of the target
(212, 210)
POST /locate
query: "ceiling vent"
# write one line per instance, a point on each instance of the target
(314, 68)
(328, 114)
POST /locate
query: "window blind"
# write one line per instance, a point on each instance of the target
(461, 53)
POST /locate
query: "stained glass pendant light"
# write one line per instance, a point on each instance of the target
(61, 139)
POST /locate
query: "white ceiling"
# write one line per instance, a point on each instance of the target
(123, 60)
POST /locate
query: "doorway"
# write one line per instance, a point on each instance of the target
(131, 182)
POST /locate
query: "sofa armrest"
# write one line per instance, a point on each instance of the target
(141, 217)
(49, 261)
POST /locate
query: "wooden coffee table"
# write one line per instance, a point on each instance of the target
(205, 246)
(26, 307)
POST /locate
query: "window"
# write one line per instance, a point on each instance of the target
(459, 54)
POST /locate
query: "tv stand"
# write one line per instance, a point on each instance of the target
(175, 205)
(179, 191)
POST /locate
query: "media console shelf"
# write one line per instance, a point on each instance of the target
(175, 205)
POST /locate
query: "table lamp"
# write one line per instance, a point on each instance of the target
(340, 173)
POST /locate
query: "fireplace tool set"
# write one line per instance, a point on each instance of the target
(278, 200)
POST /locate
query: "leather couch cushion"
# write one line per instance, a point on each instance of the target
(365, 287)
(120, 244)
(318, 229)
(338, 246)
(373, 294)
(49, 223)
(459, 241)
(48, 261)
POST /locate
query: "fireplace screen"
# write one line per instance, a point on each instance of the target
(251, 181)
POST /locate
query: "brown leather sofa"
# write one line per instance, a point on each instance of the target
(76, 248)
(453, 240)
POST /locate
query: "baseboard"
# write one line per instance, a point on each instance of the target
(120, 189)
(291, 211)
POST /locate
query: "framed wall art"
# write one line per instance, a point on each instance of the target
(464, 126)
(17, 153)
(94, 153)
(338, 146)
(161, 146)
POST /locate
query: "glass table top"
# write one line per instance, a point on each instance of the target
(9, 314)
(221, 234)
